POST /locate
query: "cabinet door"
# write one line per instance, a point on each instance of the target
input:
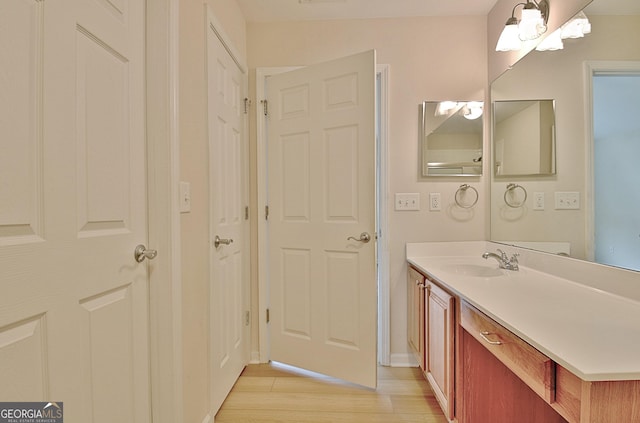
(440, 346)
(416, 314)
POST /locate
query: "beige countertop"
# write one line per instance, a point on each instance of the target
(592, 333)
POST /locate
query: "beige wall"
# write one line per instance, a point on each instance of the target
(430, 59)
(194, 169)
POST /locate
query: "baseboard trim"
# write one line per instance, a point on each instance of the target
(403, 360)
(255, 357)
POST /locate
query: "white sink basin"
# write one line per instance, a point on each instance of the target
(473, 270)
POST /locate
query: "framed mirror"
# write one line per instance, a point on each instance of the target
(523, 136)
(566, 212)
(451, 138)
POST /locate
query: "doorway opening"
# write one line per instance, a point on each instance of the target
(616, 147)
(611, 91)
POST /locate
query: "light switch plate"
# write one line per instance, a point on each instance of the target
(407, 201)
(185, 197)
(567, 200)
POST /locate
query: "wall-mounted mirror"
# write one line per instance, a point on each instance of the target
(451, 138)
(523, 137)
(585, 127)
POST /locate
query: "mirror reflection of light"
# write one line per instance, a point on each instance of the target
(472, 110)
(575, 28)
(445, 107)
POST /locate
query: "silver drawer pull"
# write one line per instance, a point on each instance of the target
(484, 334)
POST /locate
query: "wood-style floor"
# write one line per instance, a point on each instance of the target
(276, 393)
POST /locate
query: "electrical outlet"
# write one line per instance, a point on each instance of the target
(538, 200)
(567, 200)
(435, 201)
(407, 201)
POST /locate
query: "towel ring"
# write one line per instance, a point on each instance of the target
(512, 187)
(463, 188)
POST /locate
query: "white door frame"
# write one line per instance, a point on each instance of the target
(590, 68)
(163, 147)
(262, 355)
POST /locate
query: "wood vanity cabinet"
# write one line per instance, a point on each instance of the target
(439, 349)
(502, 378)
(431, 328)
(482, 372)
(416, 314)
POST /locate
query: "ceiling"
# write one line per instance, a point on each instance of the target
(297, 10)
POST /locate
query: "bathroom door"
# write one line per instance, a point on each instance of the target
(321, 189)
(74, 308)
(229, 304)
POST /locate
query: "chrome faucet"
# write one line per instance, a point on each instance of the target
(503, 260)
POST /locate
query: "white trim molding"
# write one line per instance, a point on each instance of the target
(382, 156)
(163, 169)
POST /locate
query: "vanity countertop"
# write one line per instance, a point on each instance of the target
(592, 333)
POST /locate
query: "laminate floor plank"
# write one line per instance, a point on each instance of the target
(270, 393)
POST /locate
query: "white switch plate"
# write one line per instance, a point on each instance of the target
(407, 201)
(567, 200)
(435, 201)
(538, 200)
(185, 197)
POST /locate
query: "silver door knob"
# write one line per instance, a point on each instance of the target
(217, 241)
(141, 253)
(364, 237)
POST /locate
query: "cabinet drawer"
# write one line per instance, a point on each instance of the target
(534, 368)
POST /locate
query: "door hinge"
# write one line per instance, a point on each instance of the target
(247, 105)
(247, 318)
(265, 107)
(266, 212)
(246, 212)
(268, 317)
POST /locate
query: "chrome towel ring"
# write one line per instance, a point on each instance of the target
(511, 188)
(460, 193)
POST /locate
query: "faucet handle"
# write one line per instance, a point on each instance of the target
(503, 254)
(514, 257)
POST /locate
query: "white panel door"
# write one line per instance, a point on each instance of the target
(74, 303)
(321, 188)
(227, 179)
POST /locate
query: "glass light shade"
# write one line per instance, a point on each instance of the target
(531, 24)
(576, 27)
(444, 107)
(509, 39)
(472, 110)
(552, 42)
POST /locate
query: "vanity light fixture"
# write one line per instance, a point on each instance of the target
(575, 28)
(472, 110)
(445, 107)
(532, 24)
